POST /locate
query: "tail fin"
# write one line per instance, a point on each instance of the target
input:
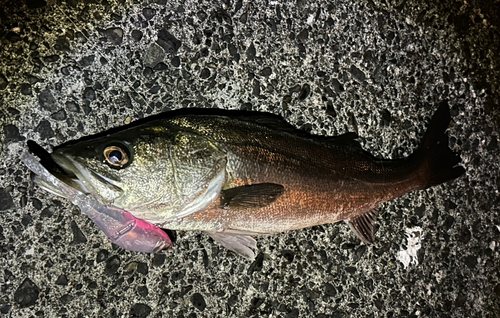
(437, 161)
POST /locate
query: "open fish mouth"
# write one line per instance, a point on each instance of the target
(72, 173)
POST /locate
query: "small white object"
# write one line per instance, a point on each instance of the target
(31, 251)
(409, 256)
(310, 19)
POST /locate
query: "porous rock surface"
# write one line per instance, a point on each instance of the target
(377, 67)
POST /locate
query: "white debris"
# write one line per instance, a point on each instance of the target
(30, 251)
(409, 256)
(439, 276)
(310, 19)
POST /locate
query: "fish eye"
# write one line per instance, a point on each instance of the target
(116, 156)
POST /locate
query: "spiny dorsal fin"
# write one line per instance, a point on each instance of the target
(276, 122)
(273, 122)
(363, 225)
(251, 196)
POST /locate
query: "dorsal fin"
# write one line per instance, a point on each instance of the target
(272, 121)
(276, 122)
(363, 225)
(251, 196)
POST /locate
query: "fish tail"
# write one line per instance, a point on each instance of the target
(437, 162)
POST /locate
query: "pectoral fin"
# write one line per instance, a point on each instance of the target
(363, 225)
(251, 196)
(241, 244)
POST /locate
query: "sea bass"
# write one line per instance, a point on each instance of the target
(235, 176)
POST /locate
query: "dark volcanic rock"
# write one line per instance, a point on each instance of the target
(11, 133)
(330, 290)
(33, 79)
(3, 82)
(114, 35)
(257, 264)
(251, 52)
(288, 255)
(78, 236)
(5, 200)
(142, 268)
(233, 50)
(160, 67)
(47, 100)
(136, 35)
(87, 60)
(44, 129)
(35, 4)
(13, 37)
(89, 94)
(112, 265)
(143, 291)
(304, 91)
(102, 255)
(51, 58)
(72, 106)
(154, 55)
(159, 259)
(168, 42)
(62, 280)
(47, 212)
(140, 311)
(175, 61)
(337, 86)
(471, 261)
(4, 309)
(198, 301)
(303, 35)
(256, 87)
(60, 115)
(357, 73)
(148, 13)
(25, 89)
(26, 219)
(62, 44)
(266, 71)
(65, 71)
(26, 294)
(37, 204)
(205, 73)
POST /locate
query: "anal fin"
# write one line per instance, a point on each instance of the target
(241, 244)
(363, 226)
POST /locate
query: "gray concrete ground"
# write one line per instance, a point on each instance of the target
(73, 68)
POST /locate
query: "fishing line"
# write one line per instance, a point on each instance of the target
(120, 73)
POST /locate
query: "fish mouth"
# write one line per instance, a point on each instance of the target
(74, 174)
(86, 180)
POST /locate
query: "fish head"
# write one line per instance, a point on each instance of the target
(155, 173)
(113, 168)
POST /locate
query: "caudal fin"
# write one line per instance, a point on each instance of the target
(438, 163)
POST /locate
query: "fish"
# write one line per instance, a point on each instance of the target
(238, 175)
